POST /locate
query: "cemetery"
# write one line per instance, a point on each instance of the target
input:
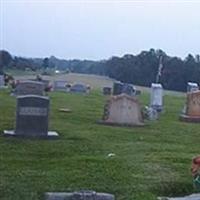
(147, 162)
(99, 100)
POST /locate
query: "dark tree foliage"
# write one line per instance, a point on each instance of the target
(45, 63)
(5, 59)
(141, 69)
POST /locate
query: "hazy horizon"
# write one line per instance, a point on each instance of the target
(97, 30)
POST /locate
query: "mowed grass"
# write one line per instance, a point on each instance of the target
(149, 161)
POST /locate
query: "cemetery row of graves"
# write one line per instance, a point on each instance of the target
(143, 154)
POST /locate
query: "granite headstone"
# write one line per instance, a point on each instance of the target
(32, 117)
(119, 88)
(79, 88)
(29, 88)
(60, 85)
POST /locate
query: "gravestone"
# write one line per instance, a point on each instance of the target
(192, 87)
(32, 117)
(107, 90)
(79, 88)
(129, 89)
(156, 97)
(119, 88)
(2, 82)
(189, 197)
(47, 85)
(192, 108)
(29, 88)
(82, 195)
(60, 85)
(122, 110)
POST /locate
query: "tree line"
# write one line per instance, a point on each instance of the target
(140, 69)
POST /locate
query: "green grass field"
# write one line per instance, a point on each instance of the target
(150, 161)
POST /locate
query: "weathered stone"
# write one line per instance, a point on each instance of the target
(29, 88)
(60, 86)
(82, 195)
(122, 110)
(192, 108)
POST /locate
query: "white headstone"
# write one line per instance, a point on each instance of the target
(156, 96)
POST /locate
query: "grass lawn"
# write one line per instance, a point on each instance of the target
(150, 161)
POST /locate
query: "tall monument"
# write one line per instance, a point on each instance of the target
(159, 69)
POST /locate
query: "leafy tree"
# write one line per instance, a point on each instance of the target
(5, 59)
(45, 63)
(141, 69)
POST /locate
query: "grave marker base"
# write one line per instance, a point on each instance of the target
(50, 135)
(187, 118)
(119, 124)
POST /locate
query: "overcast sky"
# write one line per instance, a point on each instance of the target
(98, 29)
